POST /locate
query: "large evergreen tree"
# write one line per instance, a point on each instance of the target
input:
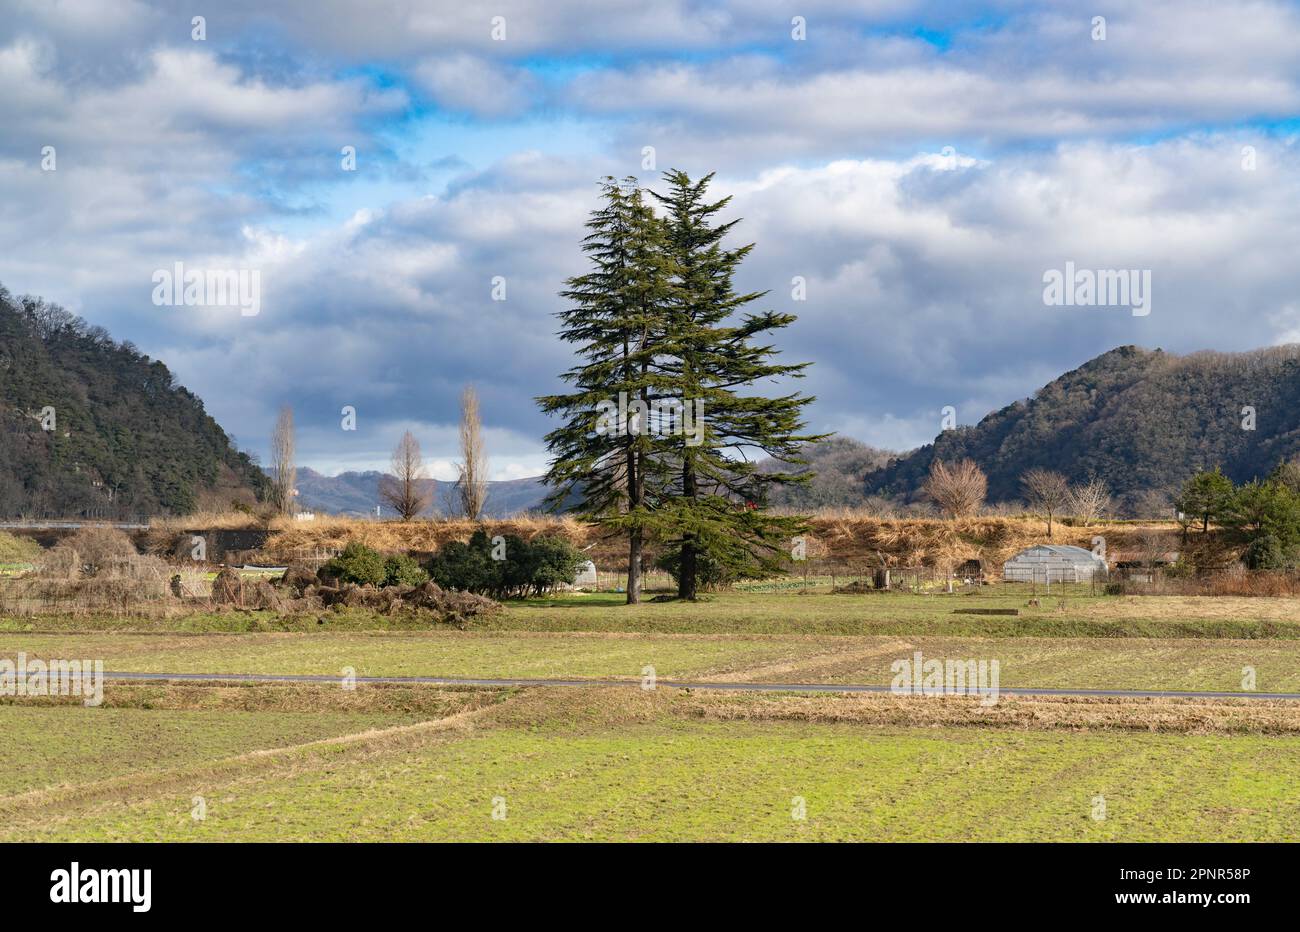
(617, 320)
(707, 359)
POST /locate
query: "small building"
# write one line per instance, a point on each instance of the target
(586, 575)
(1049, 563)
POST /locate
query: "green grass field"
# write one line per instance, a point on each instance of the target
(417, 763)
(52, 745)
(592, 772)
(1091, 663)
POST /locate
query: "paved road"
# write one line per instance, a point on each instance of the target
(678, 684)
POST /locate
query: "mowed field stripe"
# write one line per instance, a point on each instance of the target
(674, 684)
(239, 766)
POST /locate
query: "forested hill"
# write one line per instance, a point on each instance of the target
(126, 439)
(1143, 420)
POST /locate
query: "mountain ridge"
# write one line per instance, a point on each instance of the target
(356, 493)
(1142, 420)
(90, 427)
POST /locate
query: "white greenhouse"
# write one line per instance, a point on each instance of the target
(1049, 563)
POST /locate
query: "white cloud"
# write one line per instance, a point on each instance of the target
(923, 268)
(472, 84)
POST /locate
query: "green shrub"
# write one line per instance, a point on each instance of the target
(1265, 553)
(401, 570)
(553, 561)
(505, 567)
(710, 575)
(358, 564)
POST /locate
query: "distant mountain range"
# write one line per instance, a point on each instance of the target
(357, 493)
(1142, 420)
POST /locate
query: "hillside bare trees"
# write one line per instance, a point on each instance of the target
(408, 490)
(1047, 492)
(1088, 500)
(284, 472)
(957, 488)
(473, 457)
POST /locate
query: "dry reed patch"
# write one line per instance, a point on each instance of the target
(1177, 607)
(860, 540)
(95, 569)
(289, 542)
(1182, 716)
(844, 536)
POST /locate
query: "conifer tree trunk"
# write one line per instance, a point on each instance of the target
(687, 586)
(634, 538)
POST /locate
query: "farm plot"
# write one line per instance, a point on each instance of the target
(622, 765)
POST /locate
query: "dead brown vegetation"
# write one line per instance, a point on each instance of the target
(97, 568)
(845, 537)
(1075, 713)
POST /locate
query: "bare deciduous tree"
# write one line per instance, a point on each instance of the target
(473, 464)
(407, 490)
(1089, 500)
(958, 489)
(1046, 491)
(284, 474)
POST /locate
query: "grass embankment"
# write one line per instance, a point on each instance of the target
(843, 537)
(1077, 614)
(626, 765)
(17, 554)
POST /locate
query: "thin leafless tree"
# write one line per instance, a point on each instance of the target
(1047, 492)
(473, 457)
(958, 488)
(1089, 500)
(408, 490)
(284, 474)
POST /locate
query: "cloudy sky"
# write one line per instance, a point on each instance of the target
(919, 166)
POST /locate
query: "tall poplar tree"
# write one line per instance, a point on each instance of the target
(708, 358)
(617, 320)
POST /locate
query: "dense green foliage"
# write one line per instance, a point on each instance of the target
(1262, 515)
(1204, 497)
(368, 567)
(127, 440)
(661, 332)
(711, 574)
(709, 351)
(357, 564)
(505, 567)
(1144, 421)
(401, 570)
